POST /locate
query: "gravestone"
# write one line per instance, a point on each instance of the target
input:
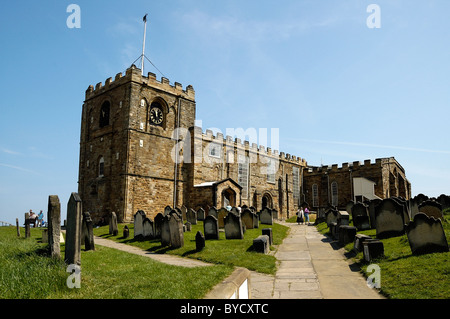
(147, 228)
(18, 228)
(172, 231)
(199, 241)
(191, 216)
(211, 227)
(27, 225)
(349, 206)
(372, 205)
(157, 224)
(113, 230)
(265, 216)
(261, 244)
(45, 236)
(444, 200)
(360, 215)
(358, 243)
(331, 216)
(415, 202)
(87, 231)
(54, 225)
(167, 210)
(248, 218)
(426, 235)
(221, 214)
(343, 218)
(372, 249)
(431, 209)
(138, 224)
(346, 234)
(188, 226)
(73, 231)
(184, 211)
(126, 232)
(233, 227)
(389, 219)
(213, 212)
(268, 232)
(201, 214)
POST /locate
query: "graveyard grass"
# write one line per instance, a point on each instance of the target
(403, 275)
(27, 272)
(229, 252)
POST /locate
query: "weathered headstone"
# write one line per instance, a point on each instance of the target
(349, 206)
(415, 202)
(431, 209)
(372, 205)
(221, 214)
(346, 234)
(261, 244)
(172, 231)
(113, 229)
(167, 210)
(343, 218)
(87, 237)
(191, 216)
(372, 249)
(126, 232)
(233, 227)
(157, 224)
(444, 200)
(27, 225)
(266, 216)
(358, 243)
(188, 226)
(201, 214)
(211, 227)
(147, 228)
(213, 212)
(248, 218)
(268, 232)
(360, 215)
(331, 216)
(73, 231)
(138, 224)
(54, 225)
(199, 241)
(426, 235)
(45, 236)
(389, 219)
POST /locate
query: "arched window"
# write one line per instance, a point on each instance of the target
(101, 167)
(104, 114)
(315, 195)
(334, 194)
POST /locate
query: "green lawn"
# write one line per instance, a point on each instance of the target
(233, 252)
(405, 276)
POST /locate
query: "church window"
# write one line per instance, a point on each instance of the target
(243, 170)
(214, 150)
(271, 170)
(104, 114)
(296, 183)
(334, 194)
(315, 195)
(101, 167)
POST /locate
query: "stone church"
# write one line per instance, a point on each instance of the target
(140, 150)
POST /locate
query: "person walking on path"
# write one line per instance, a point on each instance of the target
(306, 215)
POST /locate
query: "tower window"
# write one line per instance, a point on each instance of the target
(334, 194)
(104, 114)
(101, 167)
(315, 195)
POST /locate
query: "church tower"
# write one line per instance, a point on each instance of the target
(127, 142)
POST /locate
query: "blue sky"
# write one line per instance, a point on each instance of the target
(337, 90)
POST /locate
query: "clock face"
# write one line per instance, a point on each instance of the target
(156, 115)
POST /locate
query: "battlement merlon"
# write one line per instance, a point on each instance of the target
(133, 74)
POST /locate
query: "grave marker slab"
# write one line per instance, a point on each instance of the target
(199, 241)
(147, 228)
(426, 235)
(261, 244)
(73, 231)
(138, 224)
(431, 209)
(113, 229)
(211, 227)
(266, 216)
(248, 218)
(233, 227)
(54, 225)
(87, 230)
(389, 219)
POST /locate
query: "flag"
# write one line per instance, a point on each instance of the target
(145, 18)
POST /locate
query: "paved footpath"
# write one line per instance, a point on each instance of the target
(310, 268)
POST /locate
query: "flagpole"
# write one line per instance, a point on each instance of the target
(143, 42)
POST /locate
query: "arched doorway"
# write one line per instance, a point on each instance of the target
(228, 197)
(267, 201)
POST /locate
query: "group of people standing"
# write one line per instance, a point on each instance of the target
(36, 220)
(303, 215)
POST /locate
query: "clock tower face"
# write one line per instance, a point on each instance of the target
(156, 115)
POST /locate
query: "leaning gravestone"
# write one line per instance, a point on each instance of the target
(172, 231)
(266, 216)
(233, 227)
(211, 227)
(426, 235)
(113, 230)
(87, 232)
(389, 219)
(54, 225)
(372, 204)
(73, 231)
(360, 215)
(138, 224)
(157, 224)
(199, 241)
(261, 244)
(331, 216)
(431, 209)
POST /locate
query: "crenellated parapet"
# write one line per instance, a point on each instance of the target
(133, 74)
(379, 162)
